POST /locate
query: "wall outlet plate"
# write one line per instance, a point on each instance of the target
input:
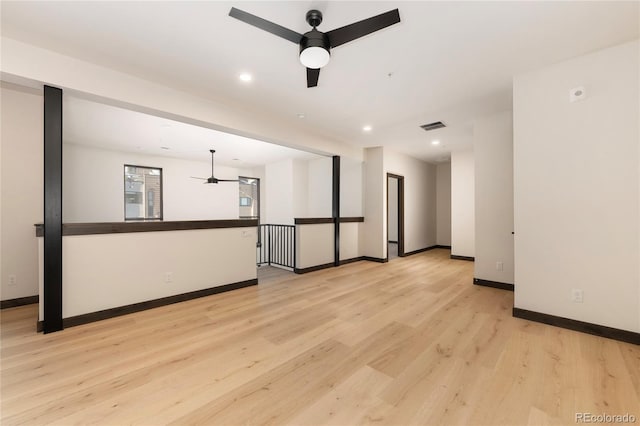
(13, 280)
(577, 295)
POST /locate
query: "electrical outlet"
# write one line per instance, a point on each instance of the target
(246, 234)
(577, 295)
(13, 280)
(499, 266)
(168, 277)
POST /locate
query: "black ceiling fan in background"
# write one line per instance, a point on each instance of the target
(315, 46)
(213, 179)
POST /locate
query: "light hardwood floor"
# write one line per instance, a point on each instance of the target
(408, 342)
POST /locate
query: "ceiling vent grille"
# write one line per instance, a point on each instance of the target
(433, 126)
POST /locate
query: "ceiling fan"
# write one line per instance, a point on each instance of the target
(315, 46)
(213, 179)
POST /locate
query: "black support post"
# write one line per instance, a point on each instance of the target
(52, 209)
(335, 213)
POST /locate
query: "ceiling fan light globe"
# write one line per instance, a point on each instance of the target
(314, 57)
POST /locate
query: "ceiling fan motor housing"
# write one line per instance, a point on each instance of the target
(315, 38)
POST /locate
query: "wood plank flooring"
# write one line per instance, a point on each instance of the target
(403, 343)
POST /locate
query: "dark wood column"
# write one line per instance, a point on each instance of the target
(52, 209)
(335, 211)
(400, 207)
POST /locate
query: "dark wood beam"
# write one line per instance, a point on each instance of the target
(52, 209)
(335, 211)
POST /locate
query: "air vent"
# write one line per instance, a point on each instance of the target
(433, 126)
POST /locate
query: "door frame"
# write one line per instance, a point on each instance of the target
(400, 180)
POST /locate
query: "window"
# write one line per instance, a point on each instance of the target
(249, 197)
(142, 193)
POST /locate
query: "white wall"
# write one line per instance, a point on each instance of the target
(493, 152)
(93, 186)
(319, 193)
(351, 190)
(298, 188)
(419, 198)
(350, 240)
(279, 193)
(443, 204)
(197, 259)
(462, 204)
(300, 181)
(21, 145)
(372, 239)
(392, 209)
(577, 189)
(315, 242)
(314, 245)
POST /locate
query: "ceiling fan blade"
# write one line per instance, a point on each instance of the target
(312, 77)
(228, 180)
(359, 29)
(195, 177)
(265, 25)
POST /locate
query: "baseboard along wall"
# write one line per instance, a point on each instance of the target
(494, 284)
(20, 301)
(581, 326)
(149, 304)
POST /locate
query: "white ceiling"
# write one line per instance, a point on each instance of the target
(448, 61)
(103, 126)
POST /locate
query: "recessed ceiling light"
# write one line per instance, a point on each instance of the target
(235, 159)
(367, 128)
(246, 77)
(435, 142)
(166, 148)
(301, 115)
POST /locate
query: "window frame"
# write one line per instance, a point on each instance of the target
(145, 218)
(257, 199)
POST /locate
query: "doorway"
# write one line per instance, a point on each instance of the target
(395, 216)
